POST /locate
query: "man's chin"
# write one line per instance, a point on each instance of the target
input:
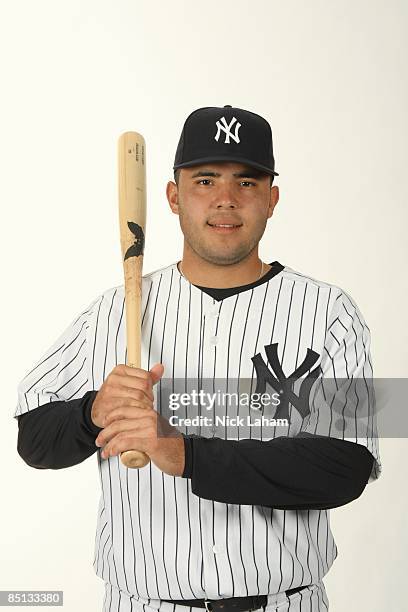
(220, 252)
(224, 259)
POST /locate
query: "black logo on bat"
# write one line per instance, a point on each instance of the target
(137, 247)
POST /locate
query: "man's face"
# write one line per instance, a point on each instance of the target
(223, 209)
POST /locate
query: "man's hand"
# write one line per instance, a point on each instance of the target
(124, 389)
(124, 407)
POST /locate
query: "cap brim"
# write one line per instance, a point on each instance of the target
(203, 160)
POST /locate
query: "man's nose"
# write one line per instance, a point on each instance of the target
(225, 197)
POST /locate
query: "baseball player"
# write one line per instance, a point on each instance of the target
(231, 513)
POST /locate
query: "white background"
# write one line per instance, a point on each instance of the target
(331, 78)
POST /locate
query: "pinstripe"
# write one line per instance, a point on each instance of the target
(176, 326)
(267, 549)
(257, 348)
(124, 564)
(36, 382)
(176, 524)
(71, 379)
(201, 502)
(215, 347)
(149, 467)
(301, 581)
(241, 351)
(118, 327)
(200, 359)
(98, 547)
(94, 343)
(327, 539)
(163, 487)
(187, 333)
(227, 546)
(227, 506)
(273, 330)
(112, 549)
(108, 335)
(45, 358)
(321, 570)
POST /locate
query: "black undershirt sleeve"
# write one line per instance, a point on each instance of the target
(308, 472)
(305, 472)
(59, 434)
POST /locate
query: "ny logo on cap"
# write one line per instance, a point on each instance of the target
(227, 129)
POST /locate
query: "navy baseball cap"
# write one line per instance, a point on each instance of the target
(213, 133)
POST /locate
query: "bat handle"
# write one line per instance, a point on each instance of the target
(133, 458)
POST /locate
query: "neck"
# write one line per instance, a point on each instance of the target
(206, 274)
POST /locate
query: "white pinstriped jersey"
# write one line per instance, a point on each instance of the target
(155, 538)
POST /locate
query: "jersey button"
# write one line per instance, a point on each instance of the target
(214, 339)
(213, 312)
(217, 549)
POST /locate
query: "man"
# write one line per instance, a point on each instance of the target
(237, 518)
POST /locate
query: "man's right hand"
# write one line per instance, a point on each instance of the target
(125, 388)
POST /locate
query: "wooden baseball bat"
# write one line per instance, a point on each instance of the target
(132, 218)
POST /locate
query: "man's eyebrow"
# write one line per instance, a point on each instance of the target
(250, 173)
(247, 173)
(205, 173)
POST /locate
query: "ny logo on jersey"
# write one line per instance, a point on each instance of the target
(226, 128)
(284, 385)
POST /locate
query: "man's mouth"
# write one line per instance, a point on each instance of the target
(224, 227)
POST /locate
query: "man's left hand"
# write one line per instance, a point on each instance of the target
(146, 431)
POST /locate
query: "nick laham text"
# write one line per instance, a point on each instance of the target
(227, 421)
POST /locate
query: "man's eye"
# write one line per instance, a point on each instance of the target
(208, 181)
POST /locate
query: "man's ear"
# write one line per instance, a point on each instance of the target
(172, 196)
(273, 200)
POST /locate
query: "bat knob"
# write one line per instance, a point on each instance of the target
(134, 459)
